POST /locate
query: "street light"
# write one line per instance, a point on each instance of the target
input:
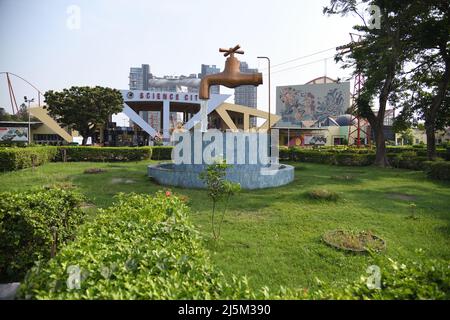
(269, 130)
(29, 118)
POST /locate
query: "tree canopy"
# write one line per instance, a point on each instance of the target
(83, 108)
(405, 61)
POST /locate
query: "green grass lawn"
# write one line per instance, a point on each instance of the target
(274, 235)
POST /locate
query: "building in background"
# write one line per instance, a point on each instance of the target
(142, 79)
(314, 113)
(210, 69)
(247, 95)
(139, 77)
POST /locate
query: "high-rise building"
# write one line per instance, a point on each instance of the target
(207, 69)
(139, 80)
(139, 77)
(246, 95)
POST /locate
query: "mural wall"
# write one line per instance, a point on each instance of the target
(311, 102)
(8, 134)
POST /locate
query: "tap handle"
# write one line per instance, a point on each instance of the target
(232, 50)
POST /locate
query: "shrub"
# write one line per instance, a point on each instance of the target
(354, 159)
(21, 158)
(438, 169)
(340, 156)
(284, 153)
(323, 194)
(162, 153)
(428, 280)
(219, 189)
(143, 247)
(33, 224)
(316, 156)
(103, 154)
(407, 162)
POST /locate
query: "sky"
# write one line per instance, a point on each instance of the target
(42, 41)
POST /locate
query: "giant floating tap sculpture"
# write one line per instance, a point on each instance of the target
(231, 76)
(250, 170)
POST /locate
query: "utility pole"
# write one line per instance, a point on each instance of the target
(269, 130)
(29, 118)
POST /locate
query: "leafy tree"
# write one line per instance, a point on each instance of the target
(22, 115)
(379, 57)
(84, 108)
(4, 116)
(426, 84)
(219, 189)
(407, 136)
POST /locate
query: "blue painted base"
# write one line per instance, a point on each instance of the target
(249, 176)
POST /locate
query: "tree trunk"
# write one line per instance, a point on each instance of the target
(431, 142)
(430, 121)
(380, 156)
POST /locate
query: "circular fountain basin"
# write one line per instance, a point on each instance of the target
(248, 176)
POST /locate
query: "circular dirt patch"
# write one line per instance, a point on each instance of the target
(354, 241)
(400, 196)
(94, 170)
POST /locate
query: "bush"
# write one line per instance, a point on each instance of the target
(143, 247)
(162, 153)
(354, 159)
(33, 224)
(429, 280)
(284, 153)
(315, 156)
(344, 157)
(103, 154)
(438, 170)
(21, 158)
(404, 161)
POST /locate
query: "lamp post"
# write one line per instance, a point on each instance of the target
(29, 118)
(269, 130)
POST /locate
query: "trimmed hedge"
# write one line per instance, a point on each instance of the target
(32, 224)
(21, 158)
(343, 158)
(407, 161)
(103, 154)
(420, 151)
(354, 159)
(402, 157)
(142, 247)
(162, 153)
(439, 170)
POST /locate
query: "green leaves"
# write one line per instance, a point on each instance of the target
(83, 108)
(135, 250)
(103, 154)
(218, 189)
(31, 223)
(20, 158)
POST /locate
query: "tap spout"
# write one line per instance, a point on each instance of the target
(230, 77)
